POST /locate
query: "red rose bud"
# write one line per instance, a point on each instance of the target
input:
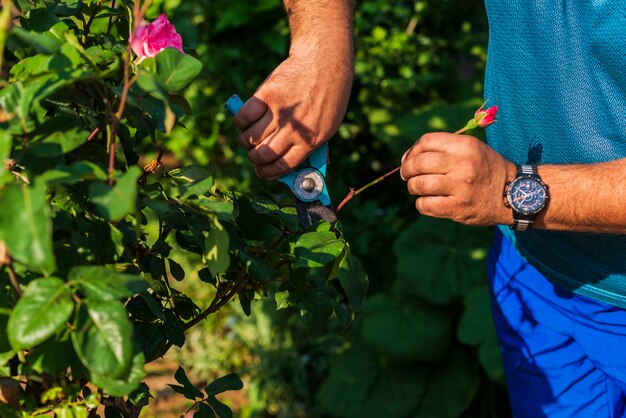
(150, 39)
(485, 117)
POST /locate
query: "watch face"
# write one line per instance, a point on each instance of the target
(527, 195)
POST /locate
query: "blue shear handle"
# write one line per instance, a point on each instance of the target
(317, 160)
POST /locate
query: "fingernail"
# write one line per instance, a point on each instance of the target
(404, 157)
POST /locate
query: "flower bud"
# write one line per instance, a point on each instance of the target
(485, 117)
(150, 39)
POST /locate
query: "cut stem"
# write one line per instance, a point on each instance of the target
(354, 192)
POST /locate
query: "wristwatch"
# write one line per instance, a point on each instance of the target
(526, 195)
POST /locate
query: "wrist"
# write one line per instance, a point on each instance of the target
(505, 213)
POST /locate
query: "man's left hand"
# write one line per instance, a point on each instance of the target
(458, 177)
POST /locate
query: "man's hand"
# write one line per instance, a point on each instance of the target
(301, 104)
(298, 107)
(458, 177)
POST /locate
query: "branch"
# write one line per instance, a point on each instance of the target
(217, 303)
(353, 192)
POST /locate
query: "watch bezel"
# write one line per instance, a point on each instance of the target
(509, 200)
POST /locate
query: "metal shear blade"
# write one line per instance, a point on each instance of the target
(307, 182)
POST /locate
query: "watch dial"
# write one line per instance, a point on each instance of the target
(528, 196)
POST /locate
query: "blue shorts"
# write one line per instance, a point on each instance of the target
(564, 354)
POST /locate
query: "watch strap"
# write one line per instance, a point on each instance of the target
(527, 170)
(523, 222)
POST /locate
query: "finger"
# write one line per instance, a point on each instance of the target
(434, 206)
(430, 185)
(250, 113)
(270, 150)
(258, 132)
(283, 165)
(428, 162)
(435, 141)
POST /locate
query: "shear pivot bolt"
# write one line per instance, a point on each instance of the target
(308, 185)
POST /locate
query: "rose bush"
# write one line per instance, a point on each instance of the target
(95, 234)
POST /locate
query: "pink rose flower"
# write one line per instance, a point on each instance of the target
(485, 117)
(150, 39)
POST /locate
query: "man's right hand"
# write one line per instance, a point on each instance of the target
(298, 107)
(302, 103)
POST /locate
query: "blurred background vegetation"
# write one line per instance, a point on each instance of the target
(423, 345)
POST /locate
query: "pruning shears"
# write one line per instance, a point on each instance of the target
(307, 182)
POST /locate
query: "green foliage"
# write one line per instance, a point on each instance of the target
(95, 252)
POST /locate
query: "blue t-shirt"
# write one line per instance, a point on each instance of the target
(557, 71)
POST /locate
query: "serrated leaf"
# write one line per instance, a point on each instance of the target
(223, 384)
(103, 284)
(176, 70)
(26, 228)
(44, 308)
(103, 338)
(317, 249)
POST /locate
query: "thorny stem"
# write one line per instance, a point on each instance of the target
(354, 192)
(138, 13)
(90, 20)
(13, 279)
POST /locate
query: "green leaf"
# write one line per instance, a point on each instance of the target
(361, 384)
(222, 410)
(204, 411)
(354, 281)
(124, 385)
(440, 260)
(315, 309)
(216, 245)
(103, 284)
(476, 329)
(71, 174)
(26, 228)
(187, 389)
(256, 267)
(44, 309)
(197, 188)
(223, 384)
(190, 173)
(53, 356)
(176, 270)
(452, 388)
(407, 330)
(176, 70)
(173, 330)
(44, 43)
(317, 249)
(113, 203)
(103, 338)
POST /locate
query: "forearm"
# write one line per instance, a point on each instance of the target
(322, 28)
(585, 197)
